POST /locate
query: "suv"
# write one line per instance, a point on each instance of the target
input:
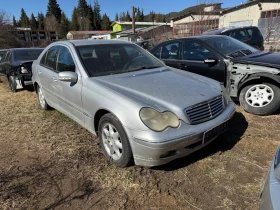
(250, 35)
(16, 66)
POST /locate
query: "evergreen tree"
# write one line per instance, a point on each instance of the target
(127, 16)
(24, 20)
(90, 17)
(41, 21)
(75, 26)
(96, 16)
(122, 16)
(33, 22)
(64, 26)
(138, 15)
(105, 22)
(142, 17)
(152, 16)
(83, 8)
(117, 17)
(54, 9)
(15, 24)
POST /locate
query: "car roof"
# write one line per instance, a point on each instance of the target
(221, 30)
(92, 42)
(18, 49)
(200, 37)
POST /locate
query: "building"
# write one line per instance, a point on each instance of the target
(123, 25)
(85, 34)
(262, 13)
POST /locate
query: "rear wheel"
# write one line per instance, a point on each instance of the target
(114, 142)
(43, 103)
(12, 83)
(260, 99)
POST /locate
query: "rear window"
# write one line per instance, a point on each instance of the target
(29, 54)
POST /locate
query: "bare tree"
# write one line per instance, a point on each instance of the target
(51, 23)
(8, 38)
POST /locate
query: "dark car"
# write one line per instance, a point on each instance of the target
(250, 35)
(16, 66)
(251, 76)
(270, 192)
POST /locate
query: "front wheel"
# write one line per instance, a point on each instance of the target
(114, 142)
(260, 99)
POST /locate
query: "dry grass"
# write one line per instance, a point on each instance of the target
(47, 161)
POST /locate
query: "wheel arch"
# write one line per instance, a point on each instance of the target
(259, 77)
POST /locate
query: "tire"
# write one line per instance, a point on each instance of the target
(114, 142)
(12, 84)
(42, 101)
(260, 99)
(28, 87)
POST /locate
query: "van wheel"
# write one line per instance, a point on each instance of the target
(260, 99)
(114, 142)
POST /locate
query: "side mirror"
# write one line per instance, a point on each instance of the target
(210, 60)
(68, 76)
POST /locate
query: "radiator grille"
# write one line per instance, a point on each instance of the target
(205, 111)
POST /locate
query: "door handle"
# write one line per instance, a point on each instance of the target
(54, 79)
(181, 65)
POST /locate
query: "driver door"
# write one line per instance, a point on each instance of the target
(194, 55)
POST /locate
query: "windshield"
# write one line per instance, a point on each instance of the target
(108, 59)
(28, 54)
(230, 47)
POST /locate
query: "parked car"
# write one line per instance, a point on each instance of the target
(142, 111)
(16, 66)
(146, 44)
(250, 35)
(270, 192)
(251, 76)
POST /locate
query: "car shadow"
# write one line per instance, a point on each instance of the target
(237, 127)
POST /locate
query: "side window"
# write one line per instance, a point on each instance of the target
(195, 51)
(51, 58)
(168, 51)
(239, 35)
(7, 57)
(65, 61)
(250, 33)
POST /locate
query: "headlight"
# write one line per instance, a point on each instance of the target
(23, 70)
(158, 121)
(225, 94)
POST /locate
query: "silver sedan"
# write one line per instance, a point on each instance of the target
(142, 111)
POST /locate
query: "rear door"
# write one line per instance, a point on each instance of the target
(46, 71)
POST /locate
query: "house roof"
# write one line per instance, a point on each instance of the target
(89, 32)
(138, 23)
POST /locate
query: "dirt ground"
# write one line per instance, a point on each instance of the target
(47, 161)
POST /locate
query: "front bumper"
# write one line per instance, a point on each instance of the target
(157, 148)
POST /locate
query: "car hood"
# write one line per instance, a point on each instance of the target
(162, 88)
(261, 58)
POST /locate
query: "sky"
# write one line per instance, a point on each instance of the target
(110, 7)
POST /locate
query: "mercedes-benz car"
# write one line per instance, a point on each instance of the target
(16, 66)
(252, 77)
(270, 192)
(143, 111)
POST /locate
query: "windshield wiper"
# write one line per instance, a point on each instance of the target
(143, 67)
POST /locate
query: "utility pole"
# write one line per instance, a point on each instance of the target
(133, 20)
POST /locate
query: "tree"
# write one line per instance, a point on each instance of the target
(15, 23)
(142, 16)
(105, 22)
(24, 20)
(64, 26)
(83, 8)
(96, 16)
(54, 9)
(75, 26)
(127, 16)
(117, 17)
(51, 23)
(7, 39)
(33, 22)
(41, 21)
(138, 15)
